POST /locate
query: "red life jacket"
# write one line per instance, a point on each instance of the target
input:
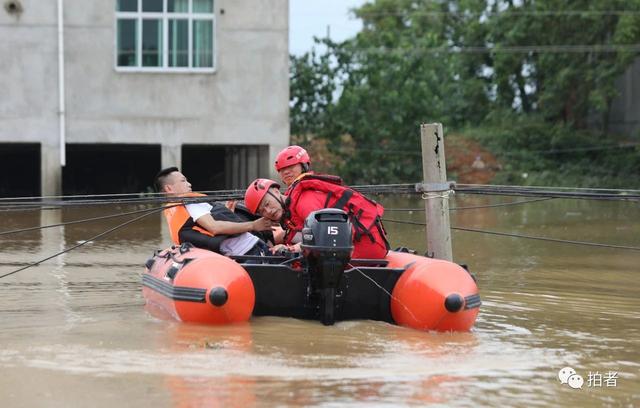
(365, 214)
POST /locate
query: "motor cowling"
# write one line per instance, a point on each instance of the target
(327, 247)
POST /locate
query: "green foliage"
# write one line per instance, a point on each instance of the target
(312, 85)
(536, 152)
(530, 65)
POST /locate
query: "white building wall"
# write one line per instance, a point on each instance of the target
(244, 102)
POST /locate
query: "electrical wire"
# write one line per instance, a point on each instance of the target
(508, 12)
(506, 234)
(414, 153)
(545, 192)
(501, 49)
(114, 196)
(530, 191)
(474, 207)
(104, 217)
(94, 238)
(134, 199)
(556, 192)
(624, 145)
(405, 188)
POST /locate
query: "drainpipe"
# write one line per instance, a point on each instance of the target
(61, 97)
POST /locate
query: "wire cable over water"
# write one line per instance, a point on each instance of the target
(543, 193)
(104, 217)
(69, 201)
(506, 234)
(94, 238)
(35, 203)
(474, 207)
(555, 192)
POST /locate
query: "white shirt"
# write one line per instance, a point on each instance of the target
(238, 245)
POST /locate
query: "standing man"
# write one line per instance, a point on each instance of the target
(209, 226)
(315, 192)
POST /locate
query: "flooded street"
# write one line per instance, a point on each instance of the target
(74, 330)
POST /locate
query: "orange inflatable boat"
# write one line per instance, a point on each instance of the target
(322, 283)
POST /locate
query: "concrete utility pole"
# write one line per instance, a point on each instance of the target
(435, 190)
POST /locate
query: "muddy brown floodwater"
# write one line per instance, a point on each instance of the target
(74, 331)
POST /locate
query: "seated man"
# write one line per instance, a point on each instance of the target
(315, 192)
(209, 226)
(291, 163)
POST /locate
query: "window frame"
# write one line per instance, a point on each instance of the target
(164, 17)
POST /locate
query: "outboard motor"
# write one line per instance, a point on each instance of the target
(327, 246)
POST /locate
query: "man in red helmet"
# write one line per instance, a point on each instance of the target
(315, 192)
(291, 163)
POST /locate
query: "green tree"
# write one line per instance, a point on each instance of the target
(465, 63)
(312, 83)
(561, 58)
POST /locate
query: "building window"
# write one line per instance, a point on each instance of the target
(165, 35)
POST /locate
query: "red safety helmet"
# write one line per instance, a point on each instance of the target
(293, 155)
(256, 191)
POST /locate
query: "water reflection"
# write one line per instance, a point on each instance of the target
(217, 349)
(30, 241)
(146, 230)
(241, 364)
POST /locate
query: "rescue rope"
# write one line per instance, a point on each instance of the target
(506, 234)
(94, 238)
